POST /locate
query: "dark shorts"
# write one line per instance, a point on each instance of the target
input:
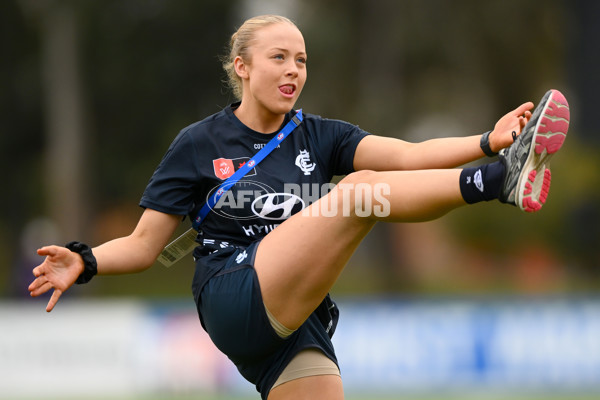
(231, 310)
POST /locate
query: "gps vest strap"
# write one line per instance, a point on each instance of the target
(185, 243)
(247, 167)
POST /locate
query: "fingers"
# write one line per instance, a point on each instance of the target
(39, 281)
(524, 119)
(38, 271)
(523, 108)
(53, 300)
(41, 284)
(39, 288)
(522, 114)
(522, 122)
(48, 251)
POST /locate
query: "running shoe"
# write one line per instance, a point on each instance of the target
(527, 160)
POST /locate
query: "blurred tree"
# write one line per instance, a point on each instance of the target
(153, 69)
(21, 145)
(420, 69)
(583, 58)
(119, 79)
(64, 114)
(411, 59)
(414, 69)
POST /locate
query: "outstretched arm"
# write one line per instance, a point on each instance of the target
(133, 253)
(388, 154)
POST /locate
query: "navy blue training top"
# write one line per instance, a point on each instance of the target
(291, 177)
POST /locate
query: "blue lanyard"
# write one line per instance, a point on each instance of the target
(239, 174)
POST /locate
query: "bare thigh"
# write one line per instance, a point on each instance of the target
(318, 387)
(298, 262)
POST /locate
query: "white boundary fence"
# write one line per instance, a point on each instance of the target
(128, 348)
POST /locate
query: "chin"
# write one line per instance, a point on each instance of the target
(283, 108)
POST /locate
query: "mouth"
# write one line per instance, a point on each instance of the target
(287, 90)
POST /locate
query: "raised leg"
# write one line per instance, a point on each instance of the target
(298, 263)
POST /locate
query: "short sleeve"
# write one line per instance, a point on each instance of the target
(346, 138)
(173, 185)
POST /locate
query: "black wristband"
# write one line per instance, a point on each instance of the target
(485, 145)
(90, 266)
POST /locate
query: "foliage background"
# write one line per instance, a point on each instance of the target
(139, 71)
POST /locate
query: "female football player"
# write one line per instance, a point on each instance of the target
(268, 256)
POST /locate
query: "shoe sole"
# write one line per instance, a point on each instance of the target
(549, 135)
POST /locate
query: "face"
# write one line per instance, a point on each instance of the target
(275, 73)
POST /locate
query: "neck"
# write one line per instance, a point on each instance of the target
(259, 119)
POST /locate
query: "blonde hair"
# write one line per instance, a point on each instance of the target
(239, 44)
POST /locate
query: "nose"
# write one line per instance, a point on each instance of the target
(291, 69)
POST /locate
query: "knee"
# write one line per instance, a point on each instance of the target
(360, 177)
(363, 194)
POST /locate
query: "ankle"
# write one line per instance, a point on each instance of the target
(482, 183)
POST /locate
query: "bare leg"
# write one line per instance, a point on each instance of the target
(298, 263)
(319, 387)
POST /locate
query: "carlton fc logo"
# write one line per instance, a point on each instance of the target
(304, 163)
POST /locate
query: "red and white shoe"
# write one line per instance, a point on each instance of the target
(527, 160)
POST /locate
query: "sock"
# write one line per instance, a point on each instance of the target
(482, 183)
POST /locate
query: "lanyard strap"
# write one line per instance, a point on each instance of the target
(239, 174)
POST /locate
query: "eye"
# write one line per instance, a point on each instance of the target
(278, 57)
(301, 60)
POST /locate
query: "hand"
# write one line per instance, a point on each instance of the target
(514, 121)
(59, 271)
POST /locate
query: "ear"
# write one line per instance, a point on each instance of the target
(240, 67)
